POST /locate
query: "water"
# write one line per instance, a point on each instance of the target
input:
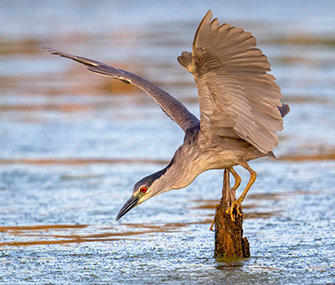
(73, 144)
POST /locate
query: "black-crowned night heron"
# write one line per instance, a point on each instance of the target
(240, 110)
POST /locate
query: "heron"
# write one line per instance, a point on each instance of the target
(240, 110)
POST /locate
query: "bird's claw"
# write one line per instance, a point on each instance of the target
(234, 209)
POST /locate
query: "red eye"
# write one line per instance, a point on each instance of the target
(143, 189)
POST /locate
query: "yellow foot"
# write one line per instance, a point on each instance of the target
(235, 209)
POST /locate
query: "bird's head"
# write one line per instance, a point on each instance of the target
(145, 189)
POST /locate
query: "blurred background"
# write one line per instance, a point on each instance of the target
(73, 144)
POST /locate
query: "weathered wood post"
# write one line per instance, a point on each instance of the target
(229, 241)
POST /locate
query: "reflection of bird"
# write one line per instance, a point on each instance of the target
(240, 110)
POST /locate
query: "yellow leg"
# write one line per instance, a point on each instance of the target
(251, 181)
(237, 204)
(237, 179)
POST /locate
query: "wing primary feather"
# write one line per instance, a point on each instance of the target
(170, 105)
(238, 98)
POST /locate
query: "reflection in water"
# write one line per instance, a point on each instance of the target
(48, 234)
(309, 157)
(253, 203)
(17, 229)
(85, 161)
(25, 46)
(74, 82)
(81, 161)
(58, 234)
(304, 40)
(53, 107)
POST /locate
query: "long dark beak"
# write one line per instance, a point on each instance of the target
(131, 203)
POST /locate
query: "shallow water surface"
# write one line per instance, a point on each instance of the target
(73, 144)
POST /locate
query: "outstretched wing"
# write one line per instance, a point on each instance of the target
(170, 105)
(238, 98)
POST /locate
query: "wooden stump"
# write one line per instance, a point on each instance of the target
(229, 241)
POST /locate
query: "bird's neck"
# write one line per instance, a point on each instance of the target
(184, 168)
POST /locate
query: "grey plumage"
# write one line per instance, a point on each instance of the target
(240, 109)
(170, 105)
(237, 97)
